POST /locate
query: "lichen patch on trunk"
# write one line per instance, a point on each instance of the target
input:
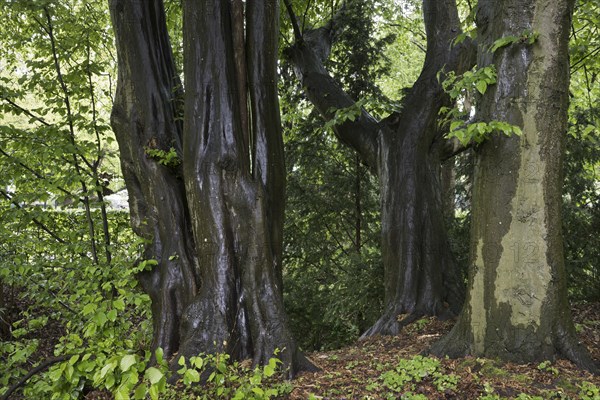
(524, 274)
(477, 303)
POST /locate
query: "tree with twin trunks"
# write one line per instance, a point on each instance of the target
(204, 170)
(406, 151)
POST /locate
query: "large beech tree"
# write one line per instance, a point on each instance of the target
(517, 306)
(205, 174)
(405, 150)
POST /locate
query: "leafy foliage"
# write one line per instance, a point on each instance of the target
(408, 372)
(332, 291)
(527, 37)
(230, 380)
(167, 158)
(97, 308)
(65, 256)
(461, 89)
(581, 198)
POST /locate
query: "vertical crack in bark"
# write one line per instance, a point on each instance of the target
(239, 308)
(239, 50)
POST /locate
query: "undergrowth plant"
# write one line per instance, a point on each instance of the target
(409, 372)
(222, 378)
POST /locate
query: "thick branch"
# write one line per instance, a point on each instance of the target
(294, 20)
(327, 96)
(307, 55)
(268, 159)
(452, 147)
(427, 95)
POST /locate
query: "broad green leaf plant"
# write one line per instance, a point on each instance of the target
(464, 89)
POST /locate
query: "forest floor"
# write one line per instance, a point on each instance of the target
(373, 369)
(392, 368)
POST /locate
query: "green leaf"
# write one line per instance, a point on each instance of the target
(154, 392)
(481, 86)
(454, 125)
(239, 395)
(127, 361)
(140, 392)
(107, 368)
(112, 315)
(504, 41)
(159, 353)
(69, 370)
(122, 394)
(460, 38)
(269, 371)
(119, 304)
(89, 308)
(191, 376)
(100, 318)
(154, 375)
(198, 362)
(110, 381)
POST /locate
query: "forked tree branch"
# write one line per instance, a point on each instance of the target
(307, 55)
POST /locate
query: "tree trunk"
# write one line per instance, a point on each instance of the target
(448, 181)
(406, 150)
(145, 119)
(4, 321)
(421, 275)
(214, 215)
(517, 307)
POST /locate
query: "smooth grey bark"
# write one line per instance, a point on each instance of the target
(517, 308)
(406, 151)
(448, 182)
(214, 219)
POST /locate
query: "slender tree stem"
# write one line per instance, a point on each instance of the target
(34, 172)
(86, 200)
(357, 205)
(98, 160)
